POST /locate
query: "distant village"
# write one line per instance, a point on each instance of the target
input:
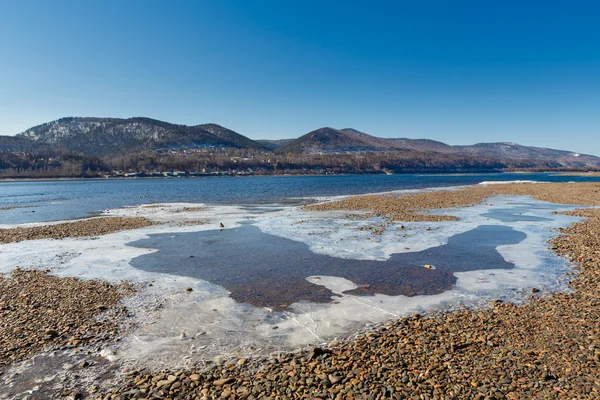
(220, 172)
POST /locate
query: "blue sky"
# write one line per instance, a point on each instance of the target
(457, 71)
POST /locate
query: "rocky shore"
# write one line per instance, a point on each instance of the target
(85, 227)
(40, 311)
(590, 173)
(414, 207)
(547, 348)
(409, 208)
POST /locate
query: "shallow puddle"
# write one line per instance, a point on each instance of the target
(323, 274)
(270, 271)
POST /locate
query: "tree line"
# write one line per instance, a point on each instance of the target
(50, 162)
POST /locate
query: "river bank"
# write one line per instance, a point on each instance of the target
(546, 348)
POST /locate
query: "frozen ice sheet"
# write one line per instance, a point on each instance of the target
(334, 234)
(175, 327)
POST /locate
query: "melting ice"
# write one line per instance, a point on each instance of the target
(177, 327)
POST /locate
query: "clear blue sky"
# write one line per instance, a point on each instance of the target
(457, 71)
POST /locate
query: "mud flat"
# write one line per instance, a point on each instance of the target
(86, 227)
(548, 347)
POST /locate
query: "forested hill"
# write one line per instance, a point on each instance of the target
(111, 136)
(140, 146)
(330, 140)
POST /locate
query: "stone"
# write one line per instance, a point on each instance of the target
(224, 381)
(162, 383)
(51, 333)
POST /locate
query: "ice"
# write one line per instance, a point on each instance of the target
(314, 323)
(535, 264)
(507, 182)
(332, 233)
(394, 193)
(174, 327)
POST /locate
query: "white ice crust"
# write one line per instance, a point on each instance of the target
(175, 327)
(507, 182)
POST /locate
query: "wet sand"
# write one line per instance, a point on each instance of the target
(86, 227)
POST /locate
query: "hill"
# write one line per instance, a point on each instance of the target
(274, 144)
(227, 135)
(330, 140)
(144, 146)
(516, 151)
(18, 144)
(110, 136)
(333, 141)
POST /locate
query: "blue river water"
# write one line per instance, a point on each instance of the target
(37, 201)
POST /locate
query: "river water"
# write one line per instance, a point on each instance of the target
(36, 201)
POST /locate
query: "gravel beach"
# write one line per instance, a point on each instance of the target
(85, 227)
(39, 311)
(414, 207)
(591, 173)
(548, 347)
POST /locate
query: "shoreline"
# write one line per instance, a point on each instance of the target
(506, 351)
(584, 174)
(409, 206)
(229, 175)
(330, 374)
(72, 321)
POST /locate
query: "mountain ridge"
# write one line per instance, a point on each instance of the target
(88, 145)
(330, 140)
(106, 136)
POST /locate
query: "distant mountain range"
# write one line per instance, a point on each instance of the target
(133, 141)
(329, 140)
